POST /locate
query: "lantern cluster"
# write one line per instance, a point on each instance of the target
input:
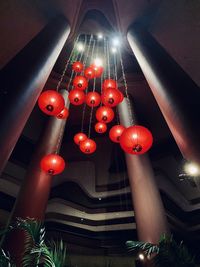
(86, 145)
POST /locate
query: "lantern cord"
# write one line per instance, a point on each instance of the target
(108, 58)
(60, 137)
(90, 122)
(93, 48)
(72, 73)
(104, 52)
(84, 105)
(115, 77)
(66, 65)
(126, 89)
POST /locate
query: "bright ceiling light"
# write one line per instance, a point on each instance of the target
(100, 36)
(116, 41)
(113, 50)
(141, 256)
(98, 62)
(192, 169)
(80, 47)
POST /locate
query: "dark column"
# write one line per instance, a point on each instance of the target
(175, 92)
(148, 208)
(34, 193)
(23, 79)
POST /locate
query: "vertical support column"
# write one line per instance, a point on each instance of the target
(23, 79)
(175, 92)
(148, 208)
(34, 193)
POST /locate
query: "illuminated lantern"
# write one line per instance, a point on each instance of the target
(109, 84)
(76, 97)
(104, 114)
(88, 146)
(52, 164)
(93, 99)
(80, 83)
(79, 137)
(116, 132)
(63, 114)
(98, 70)
(51, 102)
(121, 96)
(111, 97)
(89, 73)
(77, 66)
(100, 127)
(136, 140)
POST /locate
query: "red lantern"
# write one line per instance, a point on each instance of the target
(89, 73)
(98, 70)
(93, 99)
(51, 102)
(77, 66)
(79, 137)
(63, 114)
(111, 97)
(104, 114)
(100, 127)
(136, 140)
(88, 146)
(121, 96)
(116, 132)
(52, 164)
(76, 97)
(109, 84)
(80, 83)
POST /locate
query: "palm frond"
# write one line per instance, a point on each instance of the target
(146, 247)
(58, 251)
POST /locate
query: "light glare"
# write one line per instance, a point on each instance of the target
(80, 47)
(192, 169)
(98, 62)
(100, 36)
(141, 256)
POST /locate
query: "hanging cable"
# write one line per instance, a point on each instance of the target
(66, 65)
(131, 118)
(108, 58)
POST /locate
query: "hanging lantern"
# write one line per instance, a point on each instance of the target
(80, 83)
(98, 70)
(93, 99)
(79, 137)
(52, 164)
(89, 73)
(77, 66)
(100, 127)
(111, 97)
(121, 96)
(63, 114)
(76, 97)
(51, 102)
(136, 140)
(109, 84)
(116, 132)
(88, 146)
(104, 114)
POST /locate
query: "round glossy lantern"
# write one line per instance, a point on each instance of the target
(98, 70)
(52, 164)
(93, 99)
(76, 97)
(111, 97)
(80, 83)
(136, 140)
(77, 66)
(121, 96)
(116, 132)
(104, 114)
(100, 127)
(51, 102)
(89, 73)
(88, 146)
(79, 137)
(63, 114)
(109, 84)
